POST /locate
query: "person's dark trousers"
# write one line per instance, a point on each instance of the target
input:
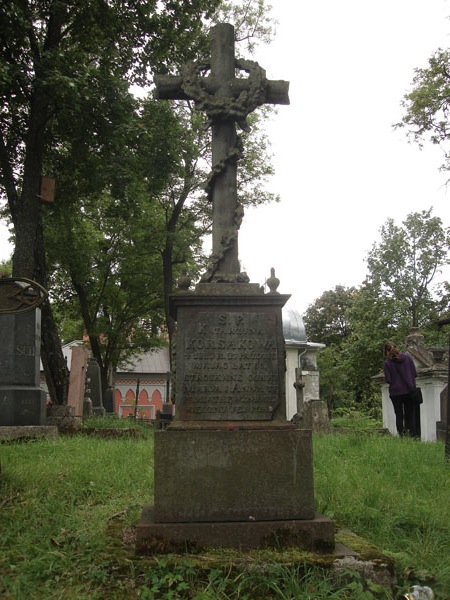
(407, 415)
(413, 425)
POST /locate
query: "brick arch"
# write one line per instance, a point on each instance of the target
(117, 400)
(157, 400)
(143, 397)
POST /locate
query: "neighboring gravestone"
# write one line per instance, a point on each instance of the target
(441, 425)
(95, 387)
(230, 471)
(22, 401)
(77, 380)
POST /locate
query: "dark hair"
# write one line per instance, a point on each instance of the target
(388, 346)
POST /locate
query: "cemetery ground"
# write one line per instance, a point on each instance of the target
(68, 508)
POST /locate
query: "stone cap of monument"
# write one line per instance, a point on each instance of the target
(233, 425)
(226, 294)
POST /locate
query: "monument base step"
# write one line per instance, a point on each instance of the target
(22, 405)
(22, 432)
(315, 535)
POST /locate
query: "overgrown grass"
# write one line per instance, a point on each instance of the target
(58, 499)
(69, 506)
(114, 422)
(354, 419)
(392, 491)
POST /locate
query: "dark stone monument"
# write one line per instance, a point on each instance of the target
(230, 471)
(95, 386)
(22, 401)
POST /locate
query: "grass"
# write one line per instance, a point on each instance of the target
(354, 419)
(68, 508)
(394, 491)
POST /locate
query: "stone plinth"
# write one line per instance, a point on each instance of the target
(315, 535)
(22, 405)
(28, 432)
(62, 416)
(22, 401)
(251, 474)
(233, 485)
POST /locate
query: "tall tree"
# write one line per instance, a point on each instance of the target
(326, 319)
(405, 263)
(427, 106)
(327, 322)
(147, 164)
(50, 52)
(105, 233)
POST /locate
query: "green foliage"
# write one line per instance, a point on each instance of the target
(250, 19)
(105, 234)
(403, 265)
(64, 72)
(6, 267)
(114, 422)
(326, 319)
(427, 105)
(356, 420)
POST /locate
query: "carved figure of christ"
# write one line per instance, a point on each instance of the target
(226, 100)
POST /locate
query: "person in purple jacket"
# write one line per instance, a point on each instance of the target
(400, 373)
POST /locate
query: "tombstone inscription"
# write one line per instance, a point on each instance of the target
(230, 471)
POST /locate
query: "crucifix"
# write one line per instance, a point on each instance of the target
(227, 100)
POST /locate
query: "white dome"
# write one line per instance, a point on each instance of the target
(293, 327)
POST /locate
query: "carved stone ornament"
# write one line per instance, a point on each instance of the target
(19, 295)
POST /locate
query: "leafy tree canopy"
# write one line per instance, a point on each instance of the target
(60, 59)
(326, 320)
(427, 106)
(404, 264)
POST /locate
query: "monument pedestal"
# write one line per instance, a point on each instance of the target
(22, 401)
(22, 405)
(246, 485)
(230, 471)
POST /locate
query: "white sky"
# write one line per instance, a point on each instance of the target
(341, 169)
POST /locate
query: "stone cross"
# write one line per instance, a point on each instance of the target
(227, 100)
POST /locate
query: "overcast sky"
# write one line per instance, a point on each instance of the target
(341, 169)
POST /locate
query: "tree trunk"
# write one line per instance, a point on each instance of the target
(53, 361)
(168, 289)
(29, 253)
(55, 366)
(90, 327)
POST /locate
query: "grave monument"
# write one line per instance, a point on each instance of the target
(22, 401)
(230, 470)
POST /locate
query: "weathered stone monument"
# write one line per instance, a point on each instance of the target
(77, 381)
(95, 386)
(22, 401)
(230, 470)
